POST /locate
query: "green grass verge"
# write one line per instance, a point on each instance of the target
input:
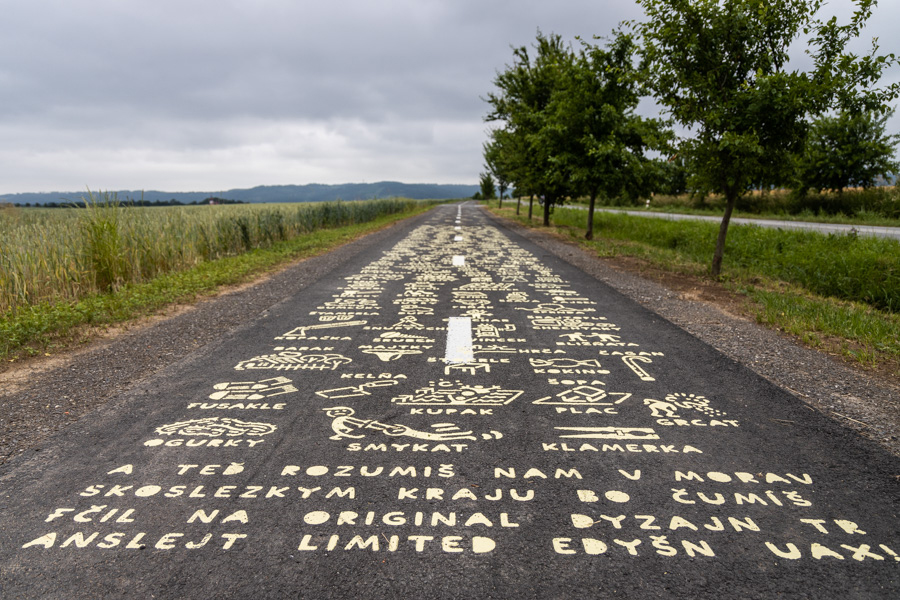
(50, 326)
(872, 206)
(858, 332)
(857, 268)
(831, 292)
(809, 217)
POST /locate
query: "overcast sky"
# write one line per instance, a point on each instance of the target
(209, 95)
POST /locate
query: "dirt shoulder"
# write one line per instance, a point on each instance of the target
(43, 396)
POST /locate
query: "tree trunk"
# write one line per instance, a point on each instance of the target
(500, 203)
(589, 235)
(518, 203)
(547, 204)
(730, 201)
(530, 206)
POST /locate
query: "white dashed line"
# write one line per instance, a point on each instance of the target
(459, 340)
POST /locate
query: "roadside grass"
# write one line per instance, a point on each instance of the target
(840, 294)
(854, 331)
(50, 326)
(860, 218)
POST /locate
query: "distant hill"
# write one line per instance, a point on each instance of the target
(313, 192)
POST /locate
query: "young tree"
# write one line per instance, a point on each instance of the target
(720, 69)
(498, 167)
(598, 138)
(504, 154)
(847, 150)
(486, 182)
(524, 90)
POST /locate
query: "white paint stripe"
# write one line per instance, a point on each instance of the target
(459, 261)
(457, 238)
(459, 340)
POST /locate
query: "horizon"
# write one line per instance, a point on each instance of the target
(226, 95)
(262, 185)
(310, 192)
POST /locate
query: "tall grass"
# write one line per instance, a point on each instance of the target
(848, 267)
(67, 254)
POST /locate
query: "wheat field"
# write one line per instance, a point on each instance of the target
(48, 255)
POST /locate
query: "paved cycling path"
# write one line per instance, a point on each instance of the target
(456, 414)
(870, 230)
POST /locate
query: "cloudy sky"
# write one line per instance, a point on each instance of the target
(209, 95)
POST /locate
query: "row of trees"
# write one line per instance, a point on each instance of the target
(567, 121)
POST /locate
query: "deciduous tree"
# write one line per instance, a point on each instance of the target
(598, 138)
(720, 68)
(847, 150)
(524, 91)
(486, 183)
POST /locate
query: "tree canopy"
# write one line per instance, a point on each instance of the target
(720, 68)
(568, 123)
(847, 150)
(523, 93)
(599, 140)
(486, 183)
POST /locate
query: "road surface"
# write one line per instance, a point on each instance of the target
(455, 414)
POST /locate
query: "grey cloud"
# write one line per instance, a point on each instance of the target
(244, 87)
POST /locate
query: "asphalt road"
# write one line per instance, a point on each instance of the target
(837, 228)
(456, 414)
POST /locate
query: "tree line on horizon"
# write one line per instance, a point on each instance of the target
(311, 192)
(566, 121)
(212, 200)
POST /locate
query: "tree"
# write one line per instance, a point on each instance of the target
(486, 182)
(673, 176)
(504, 155)
(847, 150)
(524, 90)
(720, 69)
(498, 167)
(599, 140)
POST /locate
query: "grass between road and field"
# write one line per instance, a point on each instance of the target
(48, 326)
(837, 293)
(861, 219)
(872, 206)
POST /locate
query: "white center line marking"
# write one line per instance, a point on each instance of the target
(457, 238)
(459, 340)
(459, 261)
